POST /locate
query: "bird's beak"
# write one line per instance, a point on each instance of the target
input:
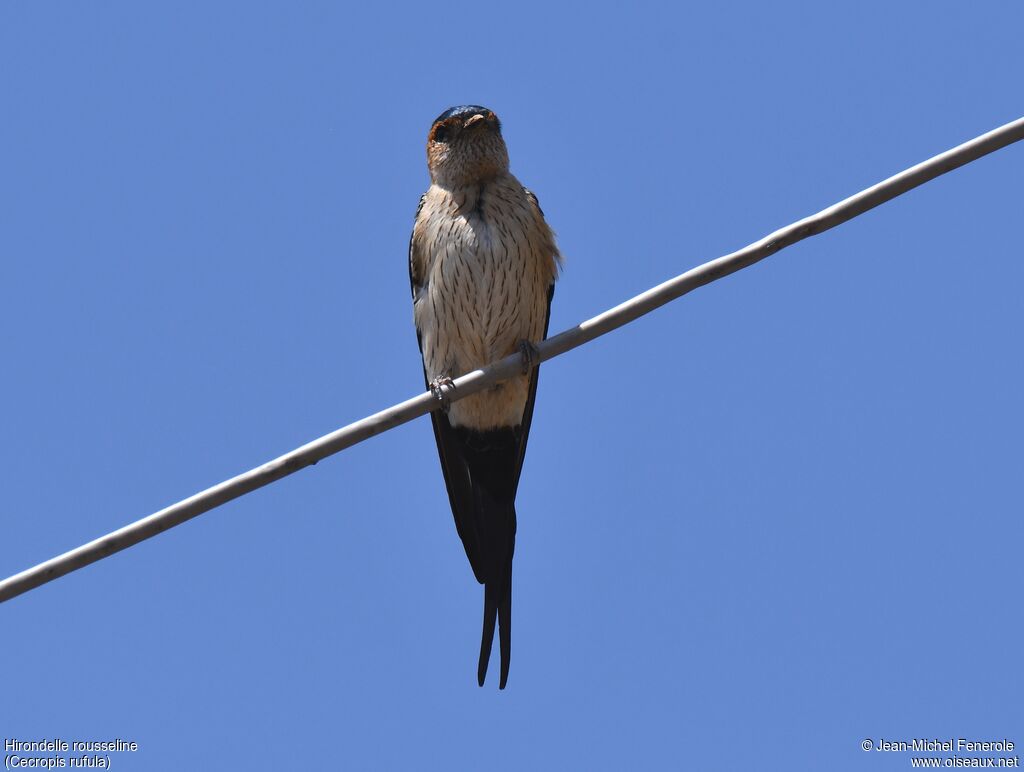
(473, 120)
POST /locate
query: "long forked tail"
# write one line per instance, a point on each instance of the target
(497, 608)
(482, 471)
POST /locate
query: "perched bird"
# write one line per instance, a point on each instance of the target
(482, 263)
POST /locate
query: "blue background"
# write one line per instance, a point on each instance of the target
(767, 522)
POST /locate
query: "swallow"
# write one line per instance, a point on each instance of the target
(482, 265)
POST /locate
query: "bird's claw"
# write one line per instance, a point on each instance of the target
(531, 357)
(437, 388)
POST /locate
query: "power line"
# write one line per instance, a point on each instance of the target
(480, 379)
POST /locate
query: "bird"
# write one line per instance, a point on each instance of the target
(482, 267)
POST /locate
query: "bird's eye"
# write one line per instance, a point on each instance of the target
(441, 133)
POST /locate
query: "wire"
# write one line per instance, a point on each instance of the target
(478, 380)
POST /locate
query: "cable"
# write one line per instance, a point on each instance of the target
(480, 379)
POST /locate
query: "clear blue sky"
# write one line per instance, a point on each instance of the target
(771, 520)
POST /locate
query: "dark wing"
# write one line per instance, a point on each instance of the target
(524, 433)
(416, 281)
(534, 199)
(524, 427)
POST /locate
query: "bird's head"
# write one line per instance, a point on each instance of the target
(465, 146)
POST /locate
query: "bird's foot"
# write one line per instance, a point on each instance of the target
(438, 387)
(531, 357)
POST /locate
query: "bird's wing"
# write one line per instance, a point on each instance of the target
(524, 427)
(524, 432)
(417, 271)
